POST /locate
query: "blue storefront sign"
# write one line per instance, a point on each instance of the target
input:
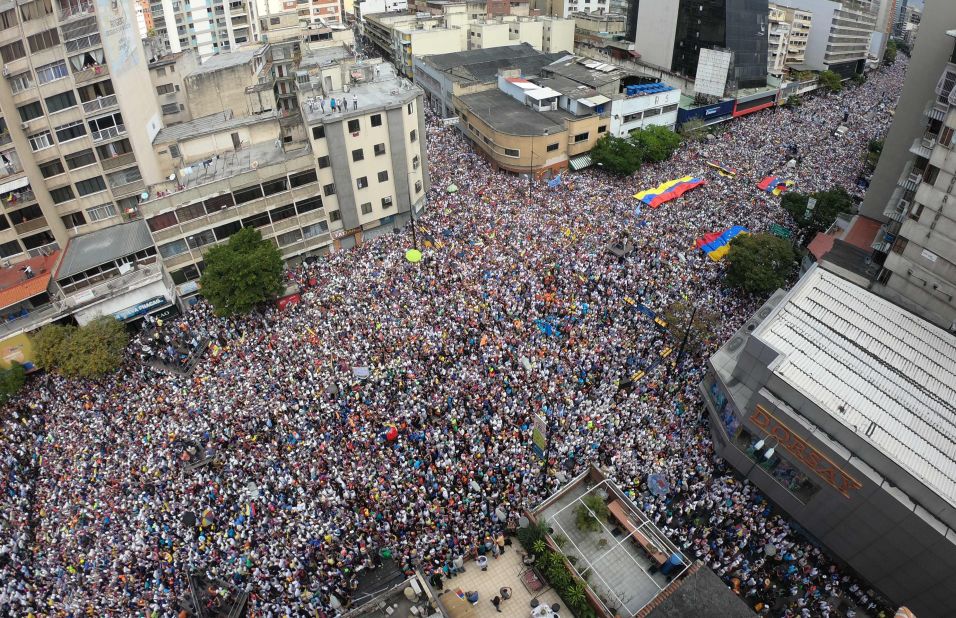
(141, 308)
(706, 113)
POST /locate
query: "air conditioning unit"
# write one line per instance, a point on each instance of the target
(6, 72)
(903, 206)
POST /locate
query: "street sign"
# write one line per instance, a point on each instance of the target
(780, 231)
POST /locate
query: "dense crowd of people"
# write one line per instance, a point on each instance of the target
(388, 414)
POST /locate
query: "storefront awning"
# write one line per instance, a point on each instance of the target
(581, 162)
(13, 185)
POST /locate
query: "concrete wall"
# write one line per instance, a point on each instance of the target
(558, 35)
(656, 31)
(214, 91)
(823, 11)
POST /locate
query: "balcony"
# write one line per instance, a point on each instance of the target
(23, 198)
(30, 226)
(108, 133)
(115, 163)
(99, 103)
(70, 12)
(923, 147)
(81, 43)
(44, 250)
(114, 286)
(133, 188)
(11, 168)
(5, 138)
(91, 73)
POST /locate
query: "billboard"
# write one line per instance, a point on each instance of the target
(712, 69)
(17, 349)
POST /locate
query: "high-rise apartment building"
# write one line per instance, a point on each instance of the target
(779, 41)
(789, 30)
(839, 40)
(77, 122)
(671, 35)
(220, 27)
(915, 180)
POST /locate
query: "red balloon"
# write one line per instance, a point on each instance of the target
(392, 434)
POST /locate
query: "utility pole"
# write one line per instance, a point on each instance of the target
(680, 351)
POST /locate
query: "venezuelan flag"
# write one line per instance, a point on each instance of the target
(727, 172)
(669, 190)
(781, 188)
(717, 244)
(768, 184)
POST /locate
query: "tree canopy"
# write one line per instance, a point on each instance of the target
(85, 352)
(889, 55)
(11, 380)
(831, 81)
(760, 263)
(829, 204)
(618, 155)
(242, 273)
(693, 130)
(656, 143)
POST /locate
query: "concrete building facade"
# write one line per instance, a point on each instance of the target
(809, 402)
(789, 31)
(914, 180)
(839, 39)
(77, 123)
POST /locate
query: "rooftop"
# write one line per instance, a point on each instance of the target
(166, 60)
(482, 65)
(324, 56)
(504, 114)
(877, 369)
(701, 594)
(16, 287)
(237, 57)
(591, 73)
(224, 165)
(213, 123)
(102, 246)
(567, 87)
(386, 88)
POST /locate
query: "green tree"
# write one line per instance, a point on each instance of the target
(590, 512)
(873, 151)
(617, 155)
(678, 316)
(889, 55)
(693, 130)
(759, 263)
(242, 273)
(829, 205)
(11, 381)
(656, 143)
(830, 81)
(793, 101)
(86, 352)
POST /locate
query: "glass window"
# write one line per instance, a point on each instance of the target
(72, 130)
(62, 194)
(105, 211)
(782, 470)
(383, 176)
(9, 249)
(271, 187)
(51, 168)
(73, 220)
(52, 72)
(376, 120)
(418, 186)
(225, 231)
(79, 159)
(21, 81)
(257, 220)
(200, 239)
(313, 203)
(41, 140)
(354, 126)
(8, 19)
(552, 147)
(302, 178)
(38, 240)
(190, 212)
(218, 202)
(165, 89)
(12, 51)
(329, 189)
(387, 202)
(287, 238)
(358, 154)
(248, 194)
(413, 136)
(311, 231)
(30, 111)
(580, 137)
(511, 152)
(318, 132)
(43, 40)
(173, 248)
(334, 216)
(324, 162)
(282, 212)
(91, 185)
(367, 208)
(170, 108)
(379, 149)
(362, 182)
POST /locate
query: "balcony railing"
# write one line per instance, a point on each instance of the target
(23, 198)
(91, 73)
(69, 12)
(11, 168)
(84, 42)
(142, 274)
(31, 225)
(118, 161)
(131, 188)
(108, 133)
(44, 250)
(99, 103)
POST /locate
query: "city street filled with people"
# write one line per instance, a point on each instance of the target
(389, 413)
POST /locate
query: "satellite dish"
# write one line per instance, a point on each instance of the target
(172, 177)
(144, 195)
(523, 522)
(254, 165)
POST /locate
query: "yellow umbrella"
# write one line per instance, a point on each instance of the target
(413, 255)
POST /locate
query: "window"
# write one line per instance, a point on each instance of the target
(383, 176)
(51, 168)
(602, 128)
(413, 136)
(72, 130)
(79, 159)
(35, 9)
(257, 220)
(12, 51)
(174, 151)
(418, 186)
(376, 120)
(302, 178)
(30, 111)
(581, 137)
(552, 147)
(29, 213)
(60, 102)
(223, 232)
(21, 81)
(187, 273)
(52, 72)
(287, 238)
(379, 149)
(318, 132)
(200, 239)
(387, 202)
(248, 194)
(62, 194)
(916, 211)
(43, 40)
(670, 108)
(415, 162)
(271, 187)
(8, 19)
(174, 248)
(91, 185)
(358, 154)
(946, 137)
(165, 89)
(354, 126)
(334, 216)
(9, 249)
(39, 141)
(324, 162)
(411, 106)
(157, 223)
(160, 72)
(170, 108)
(282, 212)
(367, 208)
(311, 231)
(190, 212)
(329, 189)
(511, 152)
(362, 182)
(900, 245)
(313, 203)
(74, 219)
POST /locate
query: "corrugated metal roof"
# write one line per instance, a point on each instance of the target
(890, 371)
(89, 250)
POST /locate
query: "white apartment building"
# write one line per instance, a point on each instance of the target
(839, 39)
(208, 30)
(779, 41)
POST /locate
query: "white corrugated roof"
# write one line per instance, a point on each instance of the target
(893, 373)
(542, 93)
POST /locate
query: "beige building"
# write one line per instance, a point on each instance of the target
(167, 74)
(220, 83)
(78, 118)
(596, 29)
(789, 31)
